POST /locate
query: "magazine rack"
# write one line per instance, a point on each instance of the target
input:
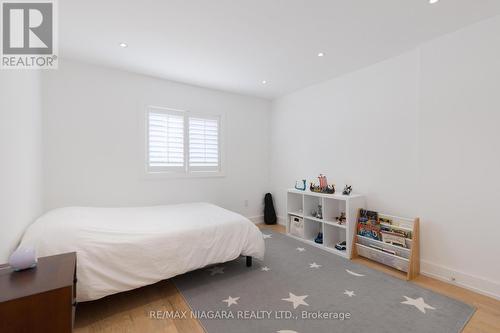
(406, 259)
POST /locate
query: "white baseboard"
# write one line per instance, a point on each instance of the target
(256, 219)
(281, 220)
(476, 284)
(260, 219)
(467, 281)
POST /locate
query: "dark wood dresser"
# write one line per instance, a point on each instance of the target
(41, 299)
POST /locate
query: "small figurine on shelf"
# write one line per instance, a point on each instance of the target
(330, 189)
(319, 215)
(341, 246)
(319, 238)
(341, 219)
(300, 185)
(347, 190)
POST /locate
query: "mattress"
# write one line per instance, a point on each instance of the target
(120, 249)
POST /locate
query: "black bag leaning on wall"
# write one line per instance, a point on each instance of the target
(269, 212)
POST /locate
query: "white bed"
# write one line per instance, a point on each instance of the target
(119, 249)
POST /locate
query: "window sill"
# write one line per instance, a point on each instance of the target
(180, 175)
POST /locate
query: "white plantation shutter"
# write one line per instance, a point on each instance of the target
(204, 144)
(183, 143)
(165, 140)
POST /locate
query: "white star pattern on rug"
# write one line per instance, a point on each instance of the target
(337, 286)
(314, 265)
(419, 303)
(266, 236)
(231, 300)
(216, 270)
(296, 300)
(353, 273)
(301, 249)
(349, 293)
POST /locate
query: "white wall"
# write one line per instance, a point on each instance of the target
(20, 155)
(418, 134)
(459, 141)
(359, 129)
(94, 141)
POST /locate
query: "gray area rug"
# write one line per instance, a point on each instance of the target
(297, 283)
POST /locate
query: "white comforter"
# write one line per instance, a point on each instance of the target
(119, 249)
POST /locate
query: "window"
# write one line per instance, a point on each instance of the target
(203, 143)
(166, 141)
(179, 142)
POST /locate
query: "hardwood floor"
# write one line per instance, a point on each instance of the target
(130, 311)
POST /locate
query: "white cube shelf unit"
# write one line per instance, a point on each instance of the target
(302, 203)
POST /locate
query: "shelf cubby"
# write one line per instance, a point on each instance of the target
(332, 235)
(311, 229)
(333, 208)
(311, 203)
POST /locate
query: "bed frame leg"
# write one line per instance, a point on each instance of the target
(249, 261)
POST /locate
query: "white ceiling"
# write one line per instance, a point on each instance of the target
(233, 45)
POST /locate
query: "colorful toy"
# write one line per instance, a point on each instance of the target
(341, 246)
(323, 186)
(300, 185)
(322, 182)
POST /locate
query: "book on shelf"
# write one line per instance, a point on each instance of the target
(371, 225)
(393, 238)
(368, 224)
(394, 229)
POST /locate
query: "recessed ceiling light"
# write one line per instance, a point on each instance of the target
(264, 81)
(321, 54)
(433, 1)
(123, 45)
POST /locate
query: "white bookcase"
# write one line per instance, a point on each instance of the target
(302, 203)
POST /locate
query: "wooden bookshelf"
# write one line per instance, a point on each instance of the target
(405, 259)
